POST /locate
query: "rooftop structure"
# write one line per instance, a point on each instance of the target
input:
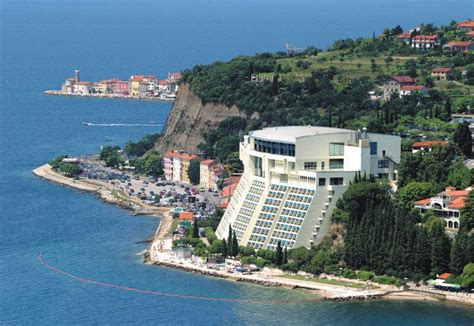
(427, 146)
(293, 177)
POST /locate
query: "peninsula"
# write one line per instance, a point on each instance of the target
(137, 87)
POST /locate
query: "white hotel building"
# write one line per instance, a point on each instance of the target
(293, 177)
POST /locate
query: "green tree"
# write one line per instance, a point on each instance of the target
(463, 138)
(415, 191)
(194, 171)
(467, 276)
(279, 254)
(235, 246)
(440, 248)
(224, 248)
(111, 156)
(70, 169)
(460, 176)
(230, 240)
(195, 229)
(285, 256)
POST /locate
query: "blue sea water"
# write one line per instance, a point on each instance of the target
(42, 42)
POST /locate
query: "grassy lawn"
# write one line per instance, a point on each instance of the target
(455, 89)
(328, 281)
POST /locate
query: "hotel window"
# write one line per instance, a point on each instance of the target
(322, 182)
(336, 164)
(292, 166)
(383, 164)
(336, 149)
(310, 165)
(322, 165)
(373, 148)
(336, 181)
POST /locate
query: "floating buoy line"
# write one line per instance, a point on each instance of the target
(77, 278)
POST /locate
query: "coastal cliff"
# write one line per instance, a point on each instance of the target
(189, 117)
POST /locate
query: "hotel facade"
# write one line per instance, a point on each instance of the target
(293, 177)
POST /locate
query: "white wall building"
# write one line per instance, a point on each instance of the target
(177, 169)
(293, 177)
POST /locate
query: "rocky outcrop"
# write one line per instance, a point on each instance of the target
(188, 118)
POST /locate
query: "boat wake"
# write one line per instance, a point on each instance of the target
(122, 124)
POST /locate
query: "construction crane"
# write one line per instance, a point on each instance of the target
(290, 49)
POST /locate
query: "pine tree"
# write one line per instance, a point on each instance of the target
(195, 229)
(235, 246)
(279, 254)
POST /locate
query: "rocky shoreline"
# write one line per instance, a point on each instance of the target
(324, 291)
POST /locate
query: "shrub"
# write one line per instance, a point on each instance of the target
(365, 275)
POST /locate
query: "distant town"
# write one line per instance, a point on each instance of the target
(136, 87)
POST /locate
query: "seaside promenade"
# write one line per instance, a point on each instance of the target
(160, 253)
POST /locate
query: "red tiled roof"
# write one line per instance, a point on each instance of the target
(188, 157)
(142, 78)
(186, 216)
(207, 162)
(429, 143)
(403, 79)
(228, 190)
(404, 35)
(441, 70)
(444, 276)
(412, 88)
(470, 33)
(162, 82)
(83, 83)
(456, 193)
(425, 38)
(423, 202)
(466, 23)
(460, 43)
(457, 203)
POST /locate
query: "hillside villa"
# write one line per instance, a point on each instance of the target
(441, 73)
(427, 146)
(447, 205)
(394, 84)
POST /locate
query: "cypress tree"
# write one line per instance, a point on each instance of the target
(458, 253)
(224, 248)
(229, 241)
(440, 249)
(422, 260)
(235, 246)
(279, 254)
(447, 108)
(463, 138)
(195, 229)
(275, 86)
(285, 256)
